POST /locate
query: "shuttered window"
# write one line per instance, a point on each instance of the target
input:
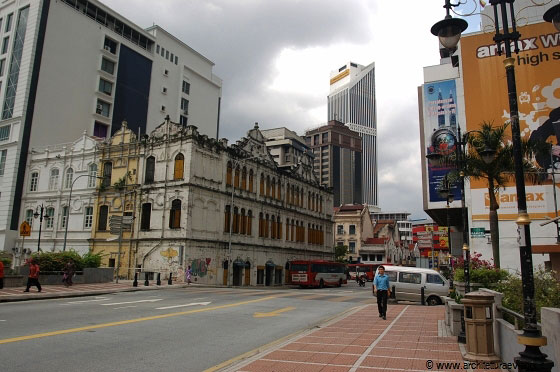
(179, 166)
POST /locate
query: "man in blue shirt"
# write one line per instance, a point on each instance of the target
(381, 289)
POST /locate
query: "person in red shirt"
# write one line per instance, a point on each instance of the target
(1, 274)
(33, 278)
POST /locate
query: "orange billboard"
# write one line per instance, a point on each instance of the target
(537, 74)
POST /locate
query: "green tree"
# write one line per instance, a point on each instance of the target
(340, 252)
(499, 170)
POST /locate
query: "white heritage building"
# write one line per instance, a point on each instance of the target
(185, 209)
(52, 173)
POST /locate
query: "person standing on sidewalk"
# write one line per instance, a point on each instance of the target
(188, 274)
(69, 271)
(33, 278)
(382, 290)
(1, 274)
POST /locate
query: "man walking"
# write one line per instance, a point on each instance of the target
(33, 278)
(1, 274)
(381, 289)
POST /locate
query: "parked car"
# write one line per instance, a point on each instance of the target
(409, 281)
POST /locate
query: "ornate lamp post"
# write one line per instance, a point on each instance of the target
(67, 216)
(506, 38)
(39, 214)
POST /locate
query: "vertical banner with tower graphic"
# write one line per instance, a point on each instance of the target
(440, 130)
(537, 74)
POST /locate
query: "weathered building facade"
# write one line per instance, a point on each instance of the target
(228, 212)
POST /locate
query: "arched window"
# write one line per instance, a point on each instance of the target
(227, 216)
(50, 218)
(261, 188)
(235, 220)
(64, 217)
(243, 228)
(146, 216)
(273, 185)
(272, 227)
(292, 195)
(296, 199)
(69, 177)
(53, 180)
(34, 181)
(179, 167)
(236, 179)
(266, 226)
(102, 218)
(244, 178)
(175, 214)
(107, 172)
(29, 216)
(278, 228)
(309, 237)
(249, 223)
(293, 234)
(321, 204)
(267, 185)
(150, 169)
(92, 173)
(313, 202)
(261, 225)
(279, 191)
(251, 181)
(309, 200)
(229, 174)
(301, 195)
(287, 229)
(287, 193)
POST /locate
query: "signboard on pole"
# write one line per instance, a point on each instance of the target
(478, 232)
(24, 229)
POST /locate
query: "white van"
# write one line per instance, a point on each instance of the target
(407, 283)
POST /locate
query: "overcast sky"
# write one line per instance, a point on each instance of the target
(275, 56)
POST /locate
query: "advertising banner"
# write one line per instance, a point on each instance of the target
(440, 127)
(537, 74)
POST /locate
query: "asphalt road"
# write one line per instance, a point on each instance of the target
(190, 329)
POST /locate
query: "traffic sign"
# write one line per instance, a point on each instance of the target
(118, 223)
(25, 229)
(478, 232)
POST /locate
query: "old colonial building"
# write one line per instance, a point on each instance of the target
(117, 197)
(353, 227)
(228, 212)
(53, 173)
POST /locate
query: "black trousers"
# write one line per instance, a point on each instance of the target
(31, 282)
(382, 301)
(1, 283)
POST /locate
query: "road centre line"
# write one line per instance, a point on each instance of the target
(131, 321)
(374, 343)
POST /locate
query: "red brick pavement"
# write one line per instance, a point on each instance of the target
(363, 342)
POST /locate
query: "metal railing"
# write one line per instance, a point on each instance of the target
(518, 319)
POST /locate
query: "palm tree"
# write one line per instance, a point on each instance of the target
(491, 139)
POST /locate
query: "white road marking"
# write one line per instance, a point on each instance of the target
(123, 307)
(2, 320)
(84, 301)
(185, 305)
(131, 302)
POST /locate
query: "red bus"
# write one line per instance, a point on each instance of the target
(364, 269)
(317, 273)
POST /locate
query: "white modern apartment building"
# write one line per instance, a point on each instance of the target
(70, 66)
(352, 101)
(285, 146)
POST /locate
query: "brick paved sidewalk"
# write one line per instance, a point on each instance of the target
(361, 341)
(58, 291)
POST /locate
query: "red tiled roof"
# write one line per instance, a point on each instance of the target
(376, 240)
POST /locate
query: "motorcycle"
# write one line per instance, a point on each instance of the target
(362, 281)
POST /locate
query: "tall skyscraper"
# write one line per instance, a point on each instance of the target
(352, 101)
(70, 67)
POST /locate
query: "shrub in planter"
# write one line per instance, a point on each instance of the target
(481, 271)
(547, 291)
(56, 261)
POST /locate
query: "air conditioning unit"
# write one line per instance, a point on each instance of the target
(107, 48)
(186, 112)
(164, 90)
(99, 109)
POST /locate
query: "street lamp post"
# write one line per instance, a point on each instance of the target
(68, 207)
(531, 359)
(39, 215)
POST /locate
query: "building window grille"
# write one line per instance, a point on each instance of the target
(92, 173)
(53, 180)
(3, 155)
